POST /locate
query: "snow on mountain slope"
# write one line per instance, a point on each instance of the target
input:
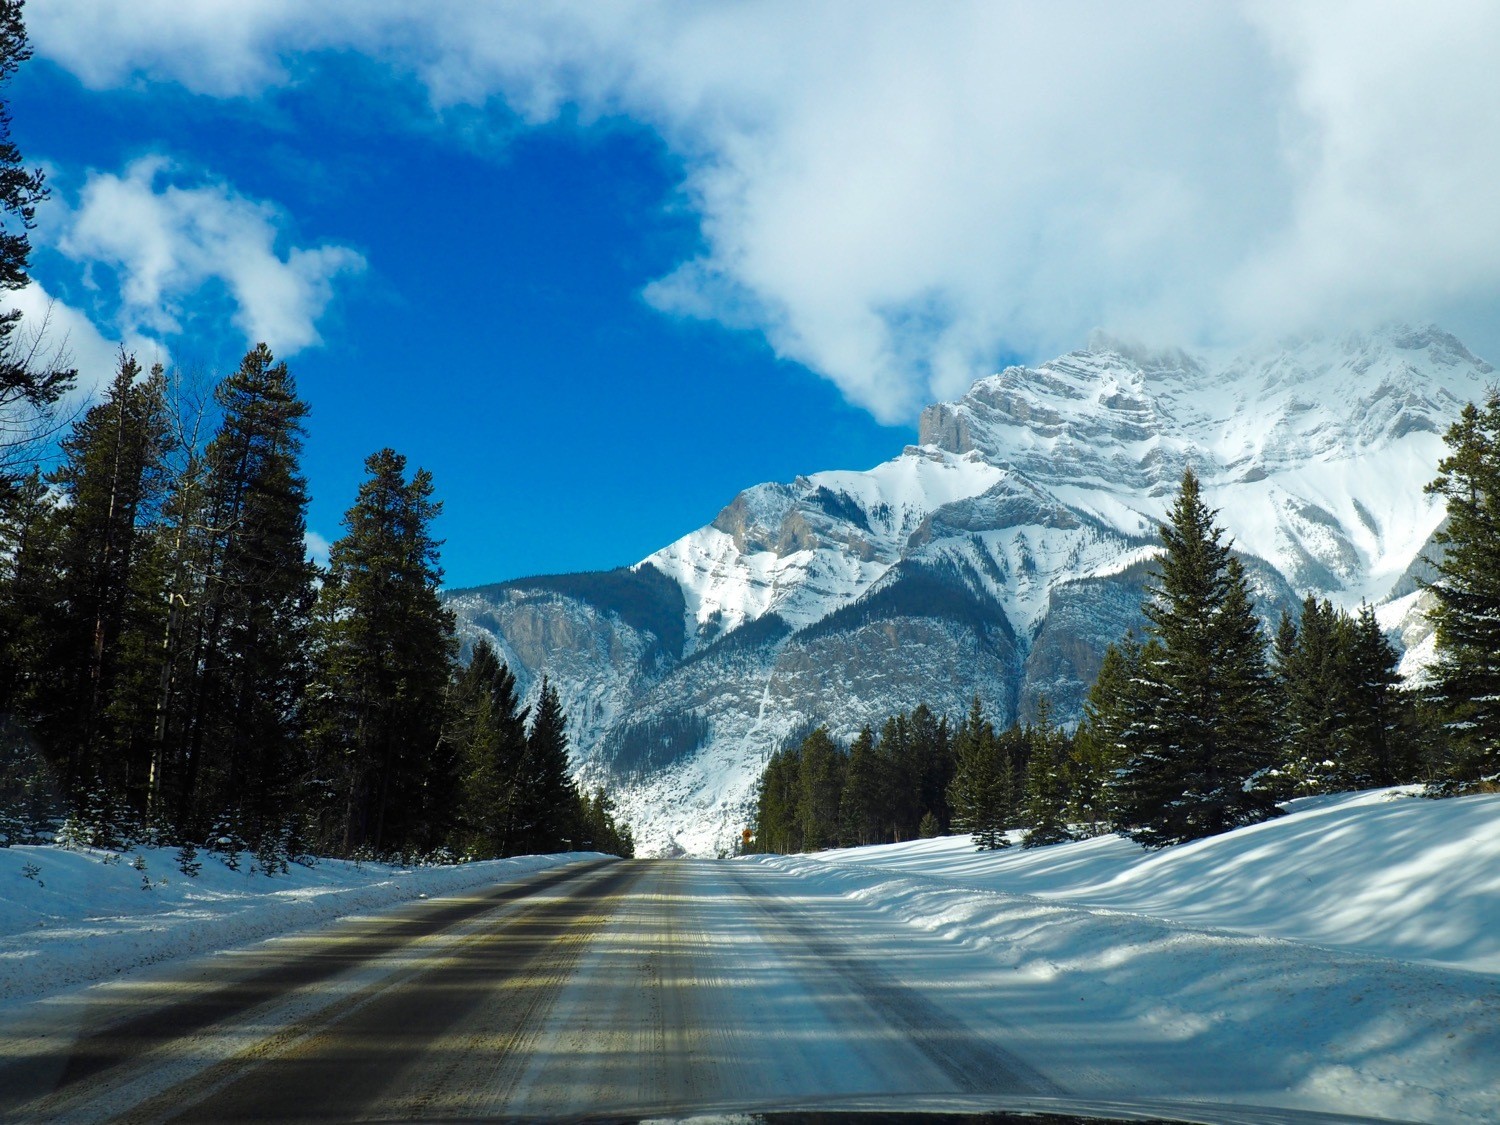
(999, 556)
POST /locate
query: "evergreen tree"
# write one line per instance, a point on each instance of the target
(546, 805)
(487, 729)
(601, 832)
(113, 479)
(383, 646)
(777, 829)
(1099, 744)
(901, 771)
(1465, 679)
(980, 793)
(931, 748)
(29, 386)
(820, 787)
(233, 743)
(859, 804)
(1046, 783)
(1375, 716)
(1199, 730)
(1311, 674)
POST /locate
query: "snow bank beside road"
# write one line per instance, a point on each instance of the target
(1203, 1014)
(1381, 872)
(69, 918)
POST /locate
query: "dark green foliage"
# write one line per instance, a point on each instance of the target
(638, 748)
(543, 801)
(383, 645)
(487, 732)
(599, 831)
(107, 602)
(777, 828)
(641, 596)
(821, 772)
(1465, 683)
(813, 794)
(1198, 741)
(982, 792)
(1046, 802)
(1100, 742)
(28, 385)
(861, 804)
(232, 722)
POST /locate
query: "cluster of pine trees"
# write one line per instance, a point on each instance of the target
(1206, 725)
(173, 666)
(921, 776)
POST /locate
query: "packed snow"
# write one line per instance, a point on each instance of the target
(1384, 872)
(71, 917)
(1340, 958)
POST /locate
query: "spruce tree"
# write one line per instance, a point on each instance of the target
(1200, 726)
(1375, 705)
(1099, 744)
(820, 787)
(113, 479)
(382, 650)
(547, 804)
(29, 386)
(1046, 801)
(859, 803)
(980, 792)
(1465, 679)
(487, 729)
(777, 828)
(237, 733)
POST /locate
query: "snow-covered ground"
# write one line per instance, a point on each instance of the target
(1382, 871)
(1342, 957)
(72, 917)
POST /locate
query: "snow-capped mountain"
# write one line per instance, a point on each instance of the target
(999, 555)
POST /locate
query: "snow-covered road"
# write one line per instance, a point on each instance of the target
(658, 986)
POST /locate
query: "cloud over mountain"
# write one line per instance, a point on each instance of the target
(899, 195)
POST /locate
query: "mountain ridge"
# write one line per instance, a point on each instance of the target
(998, 556)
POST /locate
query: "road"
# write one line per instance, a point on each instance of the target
(642, 986)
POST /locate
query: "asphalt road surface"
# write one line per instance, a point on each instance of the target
(637, 987)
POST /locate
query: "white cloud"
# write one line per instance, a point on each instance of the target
(65, 336)
(167, 242)
(896, 193)
(317, 547)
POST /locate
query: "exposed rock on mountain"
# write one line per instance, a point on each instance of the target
(998, 556)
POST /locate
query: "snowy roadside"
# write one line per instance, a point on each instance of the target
(1379, 871)
(1199, 1010)
(69, 918)
(1349, 948)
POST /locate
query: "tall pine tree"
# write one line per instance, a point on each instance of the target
(1200, 724)
(1465, 680)
(382, 651)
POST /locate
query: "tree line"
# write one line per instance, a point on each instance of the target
(1204, 725)
(174, 667)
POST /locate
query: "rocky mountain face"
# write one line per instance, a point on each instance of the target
(998, 556)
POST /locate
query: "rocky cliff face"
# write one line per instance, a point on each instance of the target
(998, 556)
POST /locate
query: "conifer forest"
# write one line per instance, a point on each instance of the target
(1204, 725)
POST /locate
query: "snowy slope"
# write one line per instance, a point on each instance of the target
(1383, 872)
(997, 557)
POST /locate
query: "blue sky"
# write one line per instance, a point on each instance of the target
(600, 266)
(497, 334)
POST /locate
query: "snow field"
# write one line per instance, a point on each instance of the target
(1381, 871)
(1107, 949)
(69, 918)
